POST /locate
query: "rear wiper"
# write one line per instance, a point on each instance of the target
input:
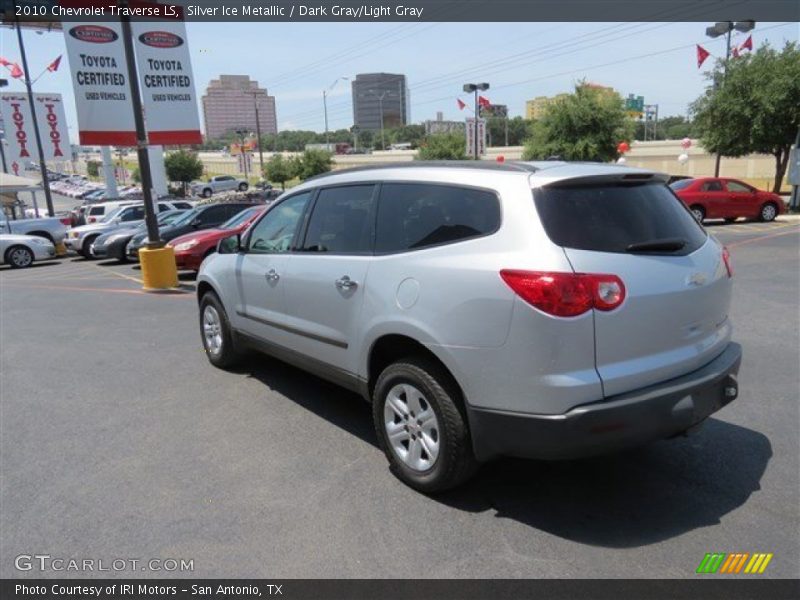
(664, 245)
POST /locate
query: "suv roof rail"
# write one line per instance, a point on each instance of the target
(450, 164)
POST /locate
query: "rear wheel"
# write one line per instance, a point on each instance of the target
(768, 212)
(243, 187)
(19, 257)
(207, 193)
(698, 212)
(421, 426)
(731, 219)
(217, 335)
(85, 247)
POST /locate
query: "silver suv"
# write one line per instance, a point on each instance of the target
(544, 310)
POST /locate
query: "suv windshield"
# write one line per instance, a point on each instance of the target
(618, 217)
(239, 218)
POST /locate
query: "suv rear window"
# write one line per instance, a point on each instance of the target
(611, 217)
(412, 216)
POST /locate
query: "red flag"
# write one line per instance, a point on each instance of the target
(461, 105)
(16, 71)
(702, 55)
(748, 44)
(4, 62)
(53, 66)
(484, 102)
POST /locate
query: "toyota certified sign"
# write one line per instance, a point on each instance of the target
(96, 34)
(161, 39)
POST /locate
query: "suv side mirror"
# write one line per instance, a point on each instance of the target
(230, 245)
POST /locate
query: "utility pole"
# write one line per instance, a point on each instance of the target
(258, 133)
(325, 108)
(29, 87)
(242, 133)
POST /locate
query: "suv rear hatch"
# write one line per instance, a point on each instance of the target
(674, 318)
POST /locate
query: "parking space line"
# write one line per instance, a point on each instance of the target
(69, 288)
(764, 237)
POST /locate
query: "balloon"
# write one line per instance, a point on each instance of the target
(621, 160)
(623, 147)
(683, 158)
(686, 143)
(501, 158)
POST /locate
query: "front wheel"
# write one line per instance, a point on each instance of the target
(699, 213)
(207, 193)
(421, 426)
(19, 257)
(243, 187)
(768, 212)
(217, 334)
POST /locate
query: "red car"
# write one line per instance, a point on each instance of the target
(192, 248)
(724, 198)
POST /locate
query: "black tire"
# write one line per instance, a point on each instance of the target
(243, 187)
(455, 462)
(87, 243)
(207, 193)
(731, 219)
(698, 212)
(228, 354)
(768, 212)
(19, 257)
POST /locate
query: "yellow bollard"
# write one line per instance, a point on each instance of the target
(159, 271)
(61, 249)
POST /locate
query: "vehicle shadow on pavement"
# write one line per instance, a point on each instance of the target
(627, 499)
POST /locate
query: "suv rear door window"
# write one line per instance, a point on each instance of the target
(612, 217)
(412, 216)
(342, 221)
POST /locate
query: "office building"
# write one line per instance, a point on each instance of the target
(376, 95)
(230, 103)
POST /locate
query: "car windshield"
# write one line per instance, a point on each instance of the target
(681, 184)
(240, 218)
(110, 216)
(169, 216)
(186, 217)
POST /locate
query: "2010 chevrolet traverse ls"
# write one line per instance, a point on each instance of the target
(545, 310)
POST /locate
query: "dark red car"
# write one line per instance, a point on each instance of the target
(725, 198)
(191, 248)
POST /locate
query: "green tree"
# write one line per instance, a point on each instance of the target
(314, 162)
(407, 134)
(183, 166)
(586, 125)
(755, 108)
(444, 146)
(93, 168)
(136, 175)
(280, 170)
(518, 131)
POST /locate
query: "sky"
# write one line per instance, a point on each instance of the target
(297, 61)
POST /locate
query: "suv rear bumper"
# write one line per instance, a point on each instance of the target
(631, 419)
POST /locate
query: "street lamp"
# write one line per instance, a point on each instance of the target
(325, 108)
(475, 88)
(725, 28)
(242, 133)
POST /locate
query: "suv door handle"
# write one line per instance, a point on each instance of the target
(345, 283)
(272, 275)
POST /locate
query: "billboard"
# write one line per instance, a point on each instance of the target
(19, 131)
(166, 82)
(96, 57)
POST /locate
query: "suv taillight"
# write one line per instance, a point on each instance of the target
(726, 257)
(566, 294)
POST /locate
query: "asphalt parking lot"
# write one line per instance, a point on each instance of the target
(119, 440)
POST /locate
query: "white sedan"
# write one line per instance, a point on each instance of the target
(20, 251)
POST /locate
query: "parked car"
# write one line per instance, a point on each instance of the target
(220, 183)
(192, 248)
(51, 228)
(544, 310)
(20, 251)
(80, 239)
(207, 216)
(729, 199)
(113, 243)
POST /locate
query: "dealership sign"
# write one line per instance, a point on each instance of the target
(100, 80)
(19, 130)
(167, 82)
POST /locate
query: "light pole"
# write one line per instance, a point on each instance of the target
(725, 28)
(325, 108)
(380, 98)
(258, 132)
(242, 133)
(475, 88)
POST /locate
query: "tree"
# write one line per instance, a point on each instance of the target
(518, 131)
(136, 175)
(280, 170)
(443, 146)
(407, 134)
(93, 168)
(755, 108)
(668, 128)
(314, 162)
(585, 125)
(183, 166)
